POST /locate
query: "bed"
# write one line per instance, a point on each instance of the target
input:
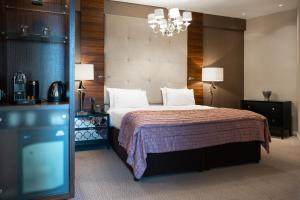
(233, 137)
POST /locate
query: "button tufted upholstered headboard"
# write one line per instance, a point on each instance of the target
(135, 57)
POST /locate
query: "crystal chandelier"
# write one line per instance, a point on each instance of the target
(174, 23)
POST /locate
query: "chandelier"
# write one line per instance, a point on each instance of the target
(174, 23)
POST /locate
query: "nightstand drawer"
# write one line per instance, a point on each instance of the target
(249, 106)
(273, 109)
(264, 108)
(275, 121)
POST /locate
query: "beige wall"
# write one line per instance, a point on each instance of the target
(271, 58)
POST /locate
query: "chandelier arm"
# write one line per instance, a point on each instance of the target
(184, 28)
(168, 26)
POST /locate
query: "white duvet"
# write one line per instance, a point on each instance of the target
(117, 114)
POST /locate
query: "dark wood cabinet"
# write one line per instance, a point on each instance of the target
(37, 141)
(279, 115)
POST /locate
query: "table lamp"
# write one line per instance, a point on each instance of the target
(212, 74)
(83, 72)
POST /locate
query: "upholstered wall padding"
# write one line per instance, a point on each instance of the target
(135, 57)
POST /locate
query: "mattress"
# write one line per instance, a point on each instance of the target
(116, 115)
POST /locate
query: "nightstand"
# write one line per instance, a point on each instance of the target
(91, 131)
(278, 114)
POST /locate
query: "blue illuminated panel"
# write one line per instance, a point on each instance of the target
(37, 159)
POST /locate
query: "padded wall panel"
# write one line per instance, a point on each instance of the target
(135, 57)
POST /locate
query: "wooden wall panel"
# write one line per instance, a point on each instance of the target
(195, 56)
(92, 46)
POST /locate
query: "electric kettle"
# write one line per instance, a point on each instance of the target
(57, 92)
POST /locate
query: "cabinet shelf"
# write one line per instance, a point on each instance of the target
(42, 106)
(36, 10)
(34, 37)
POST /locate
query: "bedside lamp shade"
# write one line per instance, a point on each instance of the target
(212, 74)
(84, 72)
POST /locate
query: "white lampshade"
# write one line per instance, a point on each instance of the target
(159, 13)
(84, 72)
(178, 21)
(174, 12)
(151, 18)
(163, 24)
(212, 74)
(187, 16)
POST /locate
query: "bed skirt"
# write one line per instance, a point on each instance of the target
(195, 159)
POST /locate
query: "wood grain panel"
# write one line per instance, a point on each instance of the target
(195, 56)
(92, 46)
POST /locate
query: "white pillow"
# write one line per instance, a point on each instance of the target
(112, 91)
(179, 97)
(163, 93)
(127, 98)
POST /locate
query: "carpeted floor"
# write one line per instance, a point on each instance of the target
(101, 175)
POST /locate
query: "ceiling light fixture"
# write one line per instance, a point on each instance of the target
(167, 26)
(280, 5)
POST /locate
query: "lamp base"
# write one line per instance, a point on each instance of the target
(211, 90)
(81, 90)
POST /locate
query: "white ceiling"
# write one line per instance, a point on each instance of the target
(230, 8)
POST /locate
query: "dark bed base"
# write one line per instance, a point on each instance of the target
(193, 160)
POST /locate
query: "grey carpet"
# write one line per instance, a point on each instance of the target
(100, 175)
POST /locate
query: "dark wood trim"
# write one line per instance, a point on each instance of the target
(3, 54)
(195, 57)
(72, 96)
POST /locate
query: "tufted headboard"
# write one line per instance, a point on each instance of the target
(135, 57)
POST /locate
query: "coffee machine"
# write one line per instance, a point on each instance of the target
(2, 96)
(19, 89)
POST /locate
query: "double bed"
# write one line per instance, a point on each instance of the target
(167, 139)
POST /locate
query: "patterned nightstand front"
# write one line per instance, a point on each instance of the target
(91, 131)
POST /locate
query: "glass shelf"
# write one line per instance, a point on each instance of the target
(44, 105)
(37, 10)
(34, 37)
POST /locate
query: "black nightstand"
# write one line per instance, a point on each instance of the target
(91, 131)
(279, 115)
